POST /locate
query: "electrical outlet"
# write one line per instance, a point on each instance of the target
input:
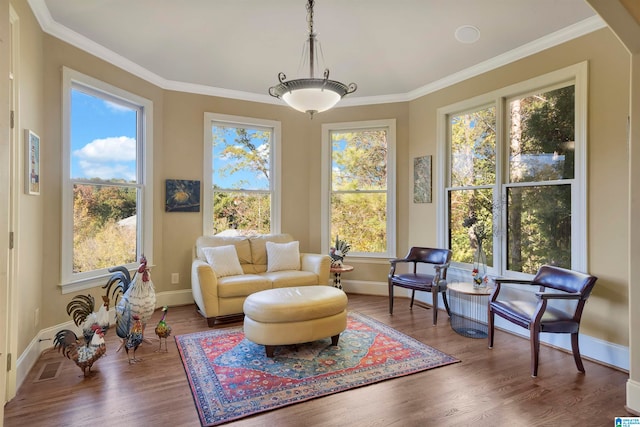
(175, 278)
(36, 318)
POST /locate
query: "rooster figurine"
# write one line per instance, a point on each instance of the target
(134, 339)
(338, 252)
(163, 330)
(84, 352)
(137, 298)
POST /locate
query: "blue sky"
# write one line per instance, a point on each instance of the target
(103, 141)
(246, 178)
(103, 145)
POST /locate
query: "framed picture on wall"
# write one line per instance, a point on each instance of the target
(32, 167)
(182, 196)
(422, 179)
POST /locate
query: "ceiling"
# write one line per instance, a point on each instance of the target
(394, 50)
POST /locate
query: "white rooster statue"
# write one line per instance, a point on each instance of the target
(138, 297)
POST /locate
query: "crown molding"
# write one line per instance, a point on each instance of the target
(52, 27)
(571, 32)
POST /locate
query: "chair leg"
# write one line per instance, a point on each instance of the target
(535, 349)
(390, 298)
(576, 352)
(434, 300)
(490, 319)
(413, 294)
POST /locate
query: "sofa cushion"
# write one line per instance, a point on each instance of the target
(223, 260)
(241, 286)
(243, 248)
(285, 279)
(283, 256)
(259, 249)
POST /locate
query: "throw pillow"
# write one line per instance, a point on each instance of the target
(283, 256)
(223, 260)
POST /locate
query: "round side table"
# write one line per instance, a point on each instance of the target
(469, 307)
(337, 274)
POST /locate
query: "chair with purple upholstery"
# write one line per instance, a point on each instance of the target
(537, 315)
(434, 282)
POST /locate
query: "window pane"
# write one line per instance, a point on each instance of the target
(104, 226)
(246, 213)
(471, 217)
(359, 160)
(542, 135)
(241, 158)
(539, 227)
(103, 139)
(360, 219)
(473, 148)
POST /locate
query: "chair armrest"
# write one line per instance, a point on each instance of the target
(204, 287)
(554, 295)
(439, 267)
(318, 264)
(393, 262)
(514, 281)
(440, 277)
(499, 281)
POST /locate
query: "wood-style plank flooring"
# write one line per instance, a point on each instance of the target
(488, 388)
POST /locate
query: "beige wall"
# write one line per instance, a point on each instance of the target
(178, 139)
(300, 181)
(30, 209)
(178, 151)
(606, 314)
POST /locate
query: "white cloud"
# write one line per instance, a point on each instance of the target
(108, 158)
(117, 108)
(119, 148)
(107, 170)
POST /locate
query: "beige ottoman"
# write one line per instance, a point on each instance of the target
(295, 315)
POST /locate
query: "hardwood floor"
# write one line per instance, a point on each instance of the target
(488, 388)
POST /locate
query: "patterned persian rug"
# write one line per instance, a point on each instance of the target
(231, 377)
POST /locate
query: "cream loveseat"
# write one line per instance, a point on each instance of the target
(220, 286)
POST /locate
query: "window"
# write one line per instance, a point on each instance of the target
(106, 191)
(359, 186)
(515, 179)
(241, 159)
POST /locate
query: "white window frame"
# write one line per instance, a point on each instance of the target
(578, 76)
(325, 207)
(72, 282)
(274, 165)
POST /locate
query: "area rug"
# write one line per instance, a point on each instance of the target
(231, 377)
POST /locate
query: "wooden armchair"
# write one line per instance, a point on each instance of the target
(435, 283)
(554, 283)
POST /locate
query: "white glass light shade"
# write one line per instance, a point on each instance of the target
(311, 100)
(311, 95)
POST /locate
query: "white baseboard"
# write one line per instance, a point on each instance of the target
(590, 347)
(44, 340)
(633, 396)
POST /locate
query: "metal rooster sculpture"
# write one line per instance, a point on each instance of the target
(137, 298)
(163, 330)
(134, 339)
(84, 352)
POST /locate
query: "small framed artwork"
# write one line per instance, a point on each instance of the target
(182, 196)
(422, 179)
(32, 167)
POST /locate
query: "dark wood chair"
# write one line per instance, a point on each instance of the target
(435, 283)
(537, 315)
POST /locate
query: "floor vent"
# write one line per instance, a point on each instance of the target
(49, 371)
